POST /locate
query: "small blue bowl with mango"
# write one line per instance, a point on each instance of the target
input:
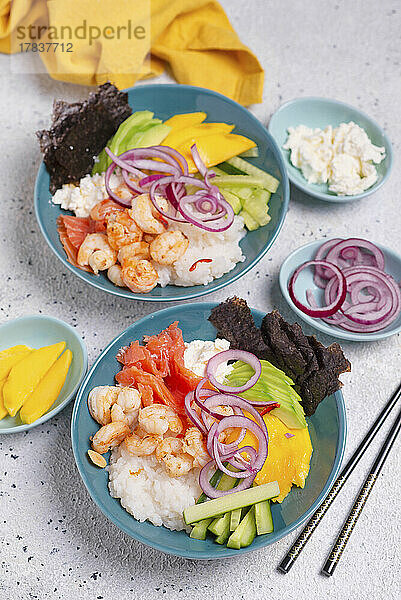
(32, 332)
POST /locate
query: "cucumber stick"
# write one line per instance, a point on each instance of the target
(226, 483)
(199, 531)
(235, 518)
(263, 517)
(236, 180)
(219, 525)
(225, 530)
(229, 502)
(249, 221)
(233, 200)
(269, 182)
(251, 153)
(245, 532)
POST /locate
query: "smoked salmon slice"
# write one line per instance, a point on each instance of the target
(77, 228)
(70, 250)
(157, 369)
(133, 375)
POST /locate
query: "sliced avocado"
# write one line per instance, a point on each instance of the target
(152, 135)
(289, 417)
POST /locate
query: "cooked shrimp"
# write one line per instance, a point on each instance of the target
(159, 418)
(170, 451)
(96, 252)
(140, 276)
(115, 275)
(100, 401)
(100, 211)
(194, 444)
(129, 400)
(117, 414)
(109, 436)
(122, 230)
(141, 446)
(168, 247)
(133, 251)
(145, 215)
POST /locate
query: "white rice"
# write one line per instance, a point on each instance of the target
(223, 248)
(147, 492)
(142, 484)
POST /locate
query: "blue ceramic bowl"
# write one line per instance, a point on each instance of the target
(37, 331)
(305, 282)
(327, 429)
(320, 112)
(165, 101)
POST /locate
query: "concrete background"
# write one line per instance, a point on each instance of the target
(54, 541)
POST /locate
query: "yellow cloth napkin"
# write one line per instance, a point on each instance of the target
(194, 37)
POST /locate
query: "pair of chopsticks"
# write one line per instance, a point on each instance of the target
(349, 523)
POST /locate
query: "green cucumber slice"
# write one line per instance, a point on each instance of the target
(269, 182)
(229, 502)
(251, 153)
(249, 221)
(263, 517)
(235, 518)
(199, 531)
(219, 525)
(245, 532)
(225, 533)
(226, 483)
(233, 200)
(242, 180)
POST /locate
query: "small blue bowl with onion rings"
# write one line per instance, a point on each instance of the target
(392, 262)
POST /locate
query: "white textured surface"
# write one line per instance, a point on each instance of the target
(54, 541)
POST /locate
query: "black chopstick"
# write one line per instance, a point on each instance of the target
(318, 515)
(353, 516)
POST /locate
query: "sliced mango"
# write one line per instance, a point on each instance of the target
(3, 410)
(25, 375)
(190, 135)
(185, 120)
(47, 390)
(288, 459)
(10, 357)
(215, 149)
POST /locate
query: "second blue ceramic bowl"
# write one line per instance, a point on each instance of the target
(320, 112)
(167, 100)
(327, 429)
(305, 282)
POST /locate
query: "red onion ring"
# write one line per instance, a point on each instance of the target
(123, 202)
(211, 492)
(226, 355)
(374, 297)
(334, 253)
(331, 308)
(319, 277)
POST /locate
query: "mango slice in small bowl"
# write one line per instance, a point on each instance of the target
(56, 381)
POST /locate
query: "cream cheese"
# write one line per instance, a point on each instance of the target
(343, 157)
(198, 353)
